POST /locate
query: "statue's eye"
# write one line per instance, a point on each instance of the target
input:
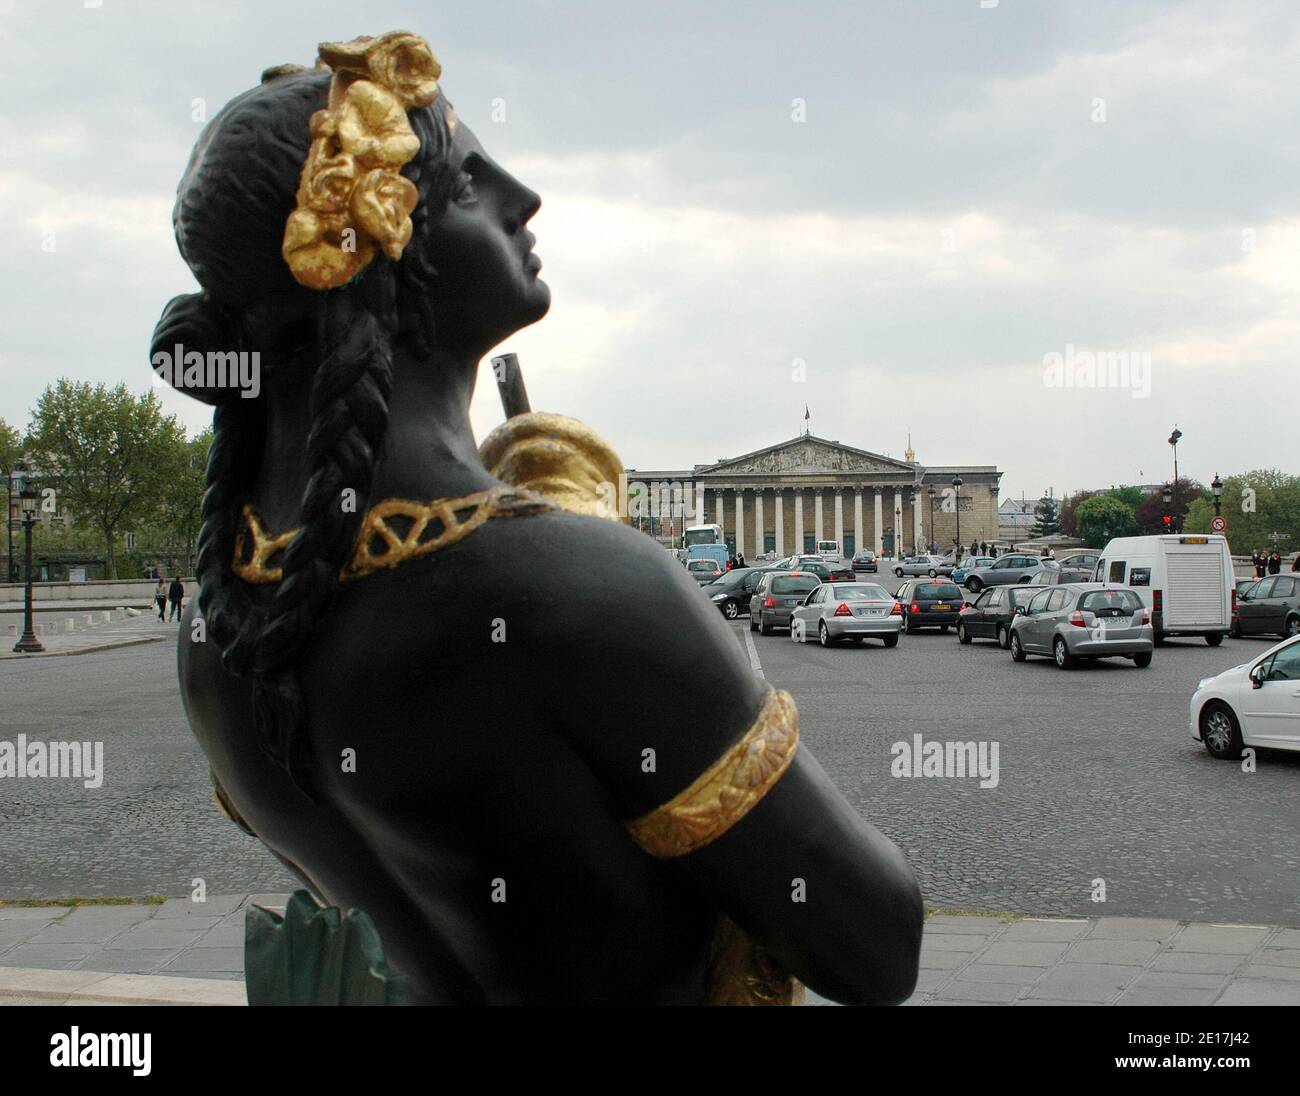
(464, 192)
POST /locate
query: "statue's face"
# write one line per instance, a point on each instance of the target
(487, 285)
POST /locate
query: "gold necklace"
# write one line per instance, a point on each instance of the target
(392, 532)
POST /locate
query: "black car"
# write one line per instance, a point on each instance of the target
(930, 603)
(731, 593)
(989, 617)
(865, 560)
(827, 572)
(1271, 606)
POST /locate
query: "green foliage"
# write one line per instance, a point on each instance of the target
(1104, 516)
(11, 446)
(1047, 517)
(1276, 509)
(109, 455)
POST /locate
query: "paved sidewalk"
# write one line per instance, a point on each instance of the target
(69, 632)
(964, 960)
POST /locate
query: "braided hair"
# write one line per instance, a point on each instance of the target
(229, 219)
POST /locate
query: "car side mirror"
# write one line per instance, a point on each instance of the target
(1257, 677)
(1021, 611)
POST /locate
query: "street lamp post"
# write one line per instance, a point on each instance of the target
(1217, 488)
(1166, 496)
(1174, 438)
(28, 643)
(931, 493)
(898, 532)
(956, 486)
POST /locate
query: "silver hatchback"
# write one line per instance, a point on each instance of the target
(847, 610)
(1083, 620)
(776, 597)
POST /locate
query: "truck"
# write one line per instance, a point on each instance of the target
(706, 542)
(1185, 580)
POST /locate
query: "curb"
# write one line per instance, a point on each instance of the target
(87, 650)
(28, 986)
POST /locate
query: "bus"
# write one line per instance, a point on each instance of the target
(706, 542)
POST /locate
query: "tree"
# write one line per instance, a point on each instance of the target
(106, 452)
(1047, 517)
(11, 447)
(182, 499)
(1068, 508)
(1151, 510)
(1257, 504)
(1102, 517)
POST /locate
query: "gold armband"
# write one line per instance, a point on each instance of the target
(729, 789)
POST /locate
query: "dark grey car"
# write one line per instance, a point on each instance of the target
(1271, 606)
(776, 597)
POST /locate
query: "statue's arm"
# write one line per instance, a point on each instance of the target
(698, 751)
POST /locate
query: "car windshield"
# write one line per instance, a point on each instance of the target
(939, 591)
(862, 593)
(1100, 600)
(794, 584)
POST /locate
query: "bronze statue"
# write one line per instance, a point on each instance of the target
(406, 682)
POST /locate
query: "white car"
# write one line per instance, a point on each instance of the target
(1254, 704)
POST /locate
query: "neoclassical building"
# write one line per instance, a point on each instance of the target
(786, 497)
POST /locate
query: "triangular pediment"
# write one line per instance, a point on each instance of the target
(808, 453)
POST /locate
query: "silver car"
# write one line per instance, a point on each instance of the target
(1083, 620)
(1010, 569)
(934, 566)
(847, 610)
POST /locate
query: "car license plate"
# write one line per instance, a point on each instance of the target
(872, 612)
(940, 606)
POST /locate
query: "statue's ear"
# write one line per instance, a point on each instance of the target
(381, 206)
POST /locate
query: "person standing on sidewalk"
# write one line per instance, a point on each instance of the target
(160, 599)
(1274, 562)
(176, 595)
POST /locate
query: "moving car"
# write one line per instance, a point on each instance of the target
(1254, 704)
(1083, 620)
(847, 610)
(933, 603)
(924, 565)
(1185, 580)
(776, 597)
(969, 565)
(731, 592)
(1269, 606)
(829, 550)
(1014, 568)
(1079, 566)
(990, 615)
(864, 560)
(827, 572)
(704, 570)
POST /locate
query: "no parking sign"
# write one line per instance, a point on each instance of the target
(1218, 523)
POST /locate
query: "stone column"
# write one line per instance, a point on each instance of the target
(916, 519)
(740, 521)
(817, 516)
(897, 517)
(699, 504)
(758, 522)
(798, 521)
(880, 528)
(858, 542)
(839, 518)
(780, 523)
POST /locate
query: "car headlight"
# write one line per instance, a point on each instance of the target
(718, 597)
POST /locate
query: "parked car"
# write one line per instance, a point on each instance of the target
(1270, 606)
(923, 565)
(731, 592)
(931, 603)
(990, 615)
(1185, 580)
(704, 570)
(776, 596)
(847, 610)
(1083, 620)
(969, 565)
(1254, 704)
(864, 560)
(1008, 570)
(1079, 566)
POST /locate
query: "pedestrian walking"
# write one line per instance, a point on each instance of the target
(175, 595)
(1260, 562)
(984, 547)
(160, 599)
(1274, 562)
(1295, 563)
(740, 559)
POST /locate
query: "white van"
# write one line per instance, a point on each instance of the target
(1186, 581)
(829, 550)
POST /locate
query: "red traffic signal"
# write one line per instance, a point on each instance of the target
(1167, 520)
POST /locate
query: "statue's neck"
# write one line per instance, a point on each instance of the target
(428, 451)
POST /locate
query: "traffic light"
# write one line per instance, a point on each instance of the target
(1168, 521)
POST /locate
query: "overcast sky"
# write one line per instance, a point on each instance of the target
(970, 190)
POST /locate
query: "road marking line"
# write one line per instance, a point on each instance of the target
(754, 664)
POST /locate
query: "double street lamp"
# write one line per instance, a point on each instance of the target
(956, 501)
(1173, 440)
(28, 500)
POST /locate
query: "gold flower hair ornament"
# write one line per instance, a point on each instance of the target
(352, 196)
